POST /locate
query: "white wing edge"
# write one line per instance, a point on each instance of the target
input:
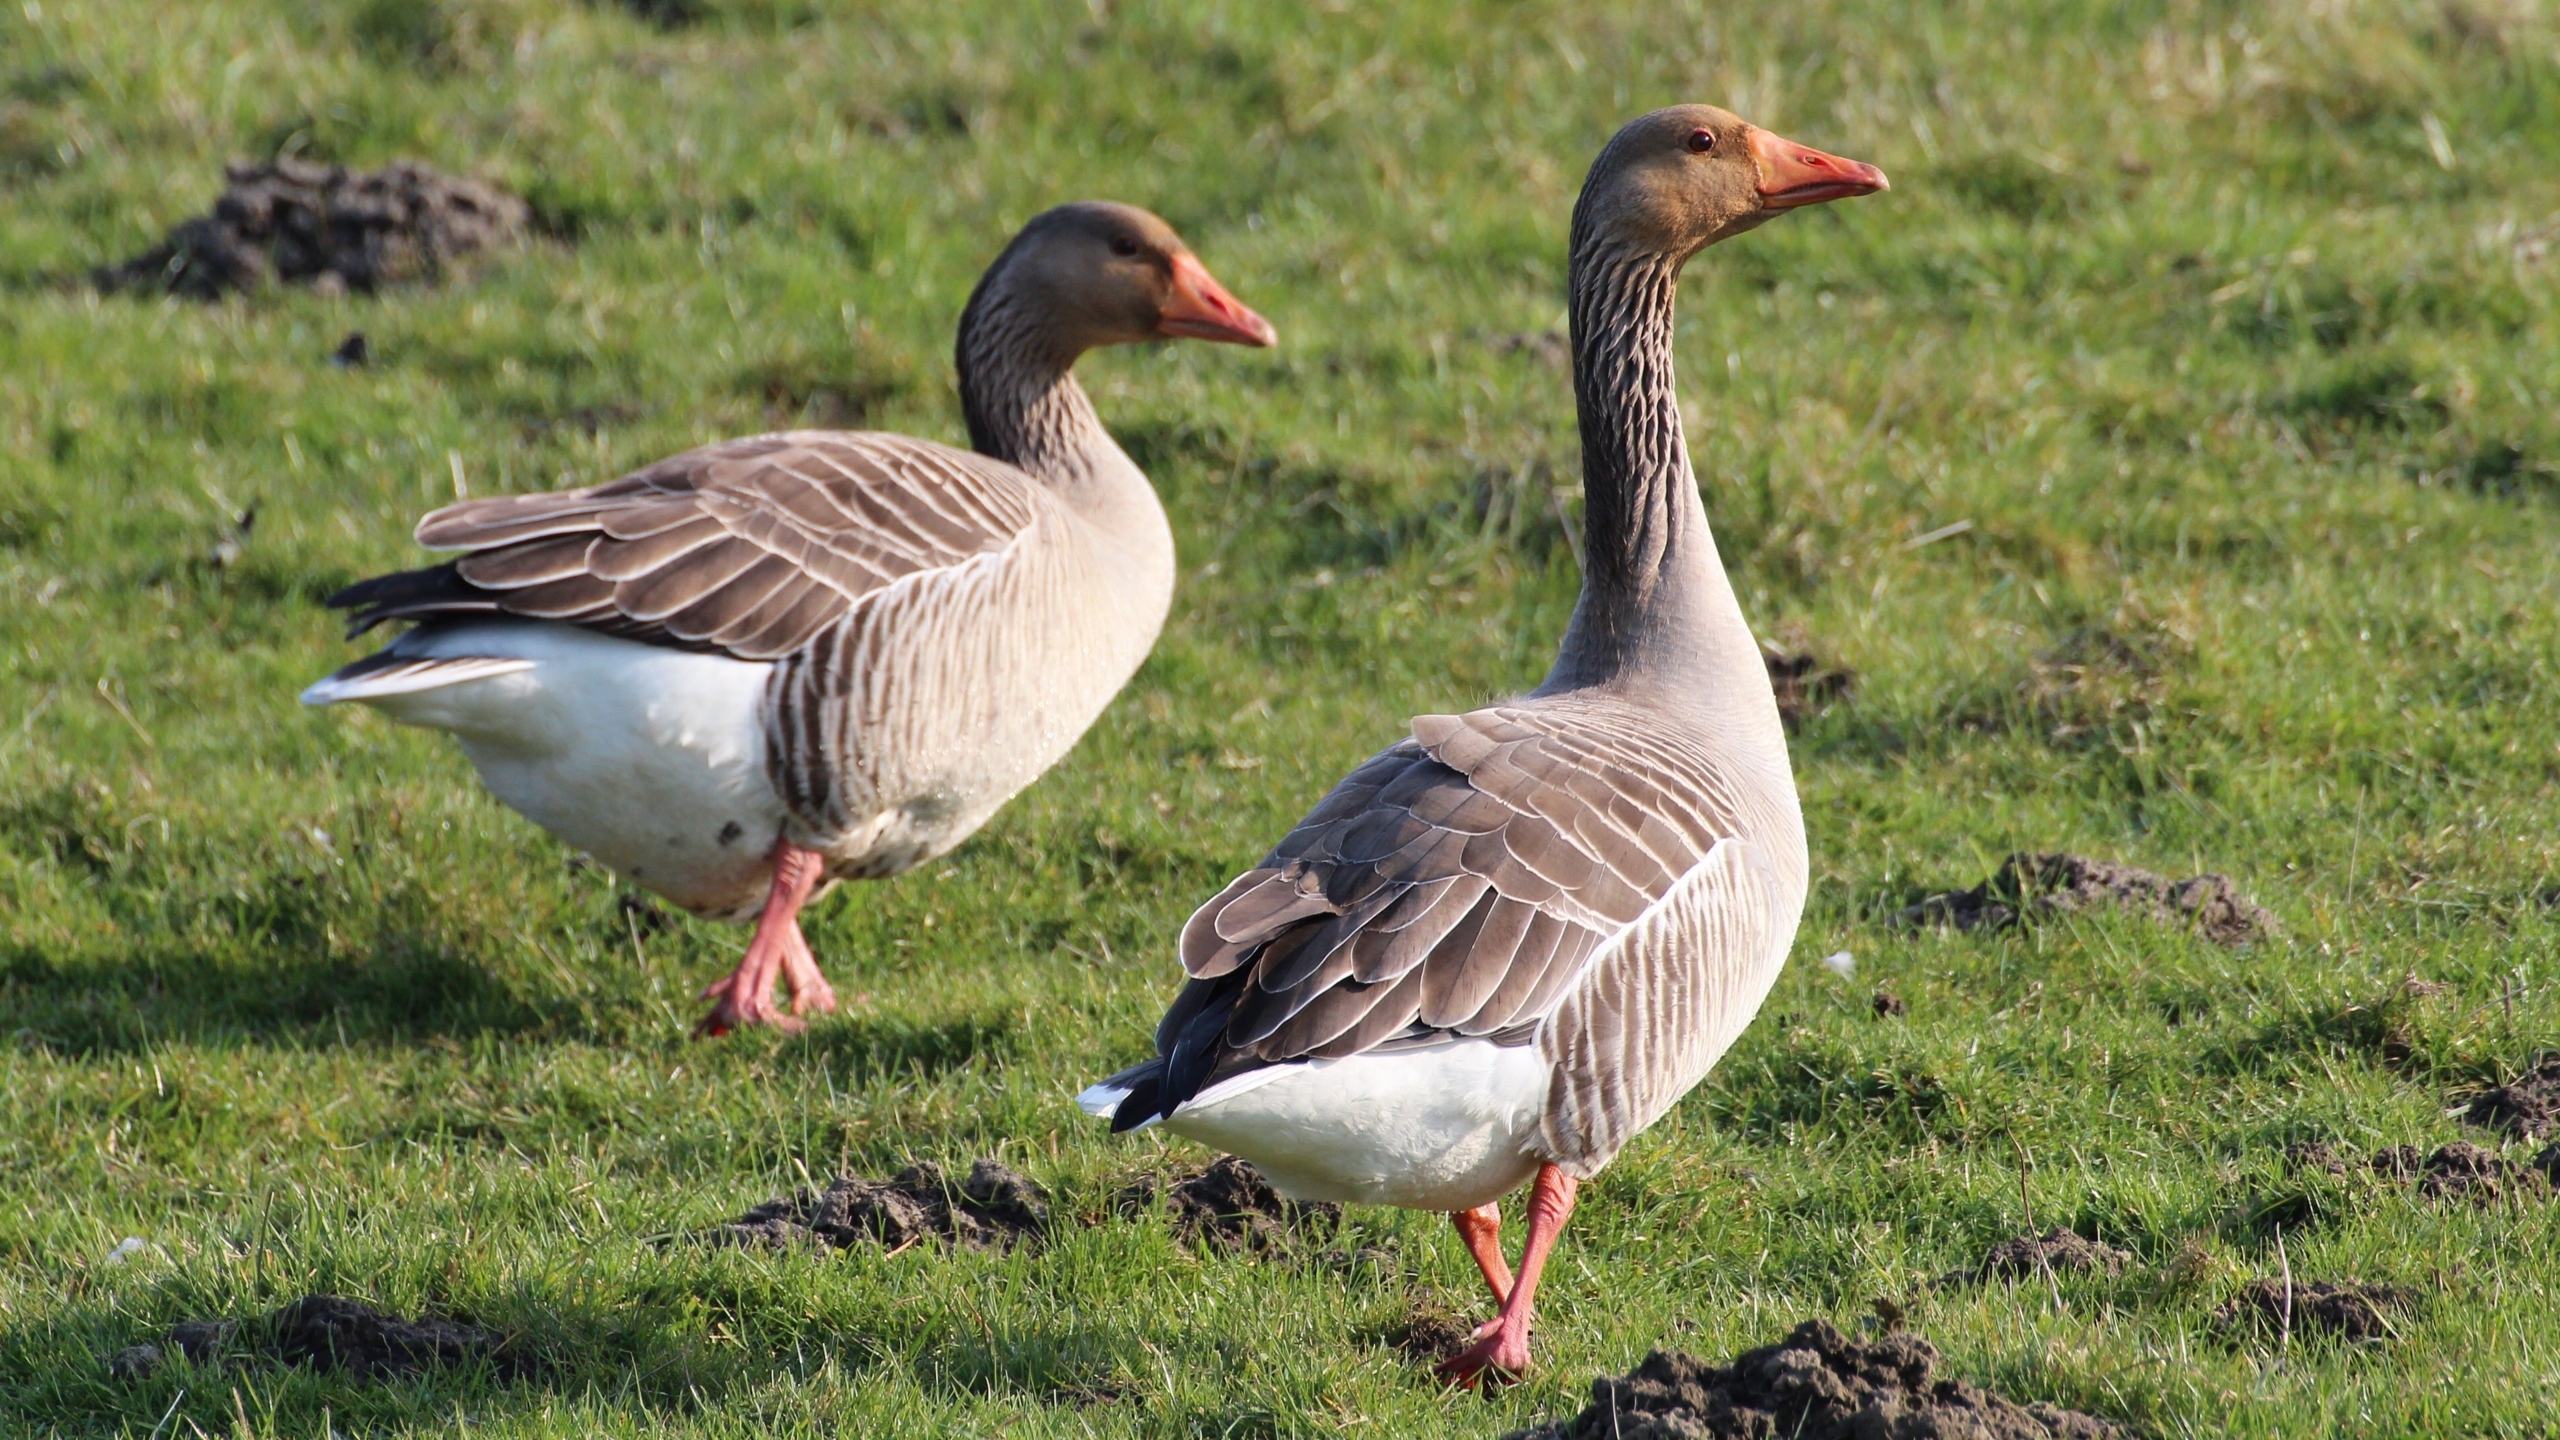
(367, 680)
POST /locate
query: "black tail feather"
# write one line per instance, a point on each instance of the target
(1144, 1102)
(1200, 1043)
(438, 590)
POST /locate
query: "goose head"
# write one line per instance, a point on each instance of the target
(1097, 273)
(1674, 182)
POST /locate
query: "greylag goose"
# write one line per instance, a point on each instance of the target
(747, 671)
(1511, 941)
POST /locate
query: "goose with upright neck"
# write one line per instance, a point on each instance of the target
(1508, 943)
(752, 669)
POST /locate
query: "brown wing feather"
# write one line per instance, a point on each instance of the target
(749, 547)
(1460, 881)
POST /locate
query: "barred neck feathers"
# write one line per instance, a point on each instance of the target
(1656, 609)
(1021, 399)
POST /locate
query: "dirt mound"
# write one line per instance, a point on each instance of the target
(2032, 886)
(2314, 1155)
(327, 226)
(1428, 1337)
(1228, 1206)
(326, 1332)
(2349, 1309)
(1814, 1385)
(2459, 1171)
(2028, 1256)
(1805, 686)
(2527, 1107)
(993, 1207)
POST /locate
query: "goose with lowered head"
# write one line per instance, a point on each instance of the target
(1510, 941)
(758, 667)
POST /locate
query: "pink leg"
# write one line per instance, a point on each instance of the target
(746, 996)
(1502, 1345)
(809, 989)
(1481, 1230)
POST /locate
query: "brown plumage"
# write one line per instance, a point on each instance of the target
(763, 665)
(749, 548)
(1509, 943)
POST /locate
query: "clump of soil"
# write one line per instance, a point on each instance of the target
(1805, 686)
(327, 226)
(326, 1332)
(1428, 1336)
(2039, 886)
(1228, 1206)
(993, 1207)
(1814, 1385)
(2527, 1107)
(200, 1341)
(2028, 1256)
(2314, 1155)
(2348, 1309)
(2459, 1171)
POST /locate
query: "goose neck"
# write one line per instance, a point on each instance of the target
(1656, 608)
(1018, 390)
(1019, 395)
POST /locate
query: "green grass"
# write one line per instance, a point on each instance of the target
(2229, 328)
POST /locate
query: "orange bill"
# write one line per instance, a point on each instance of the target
(1793, 174)
(1201, 309)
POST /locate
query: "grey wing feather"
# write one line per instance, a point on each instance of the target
(748, 547)
(1467, 881)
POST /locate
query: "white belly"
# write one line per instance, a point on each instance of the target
(1443, 1128)
(649, 759)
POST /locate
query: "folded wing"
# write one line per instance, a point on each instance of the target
(1458, 884)
(748, 547)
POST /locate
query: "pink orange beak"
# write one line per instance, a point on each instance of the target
(1201, 309)
(1792, 175)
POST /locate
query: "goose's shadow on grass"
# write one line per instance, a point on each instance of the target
(864, 1049)
(411, 987)
(653, 1353)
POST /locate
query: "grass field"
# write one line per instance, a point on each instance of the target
(2226, 330)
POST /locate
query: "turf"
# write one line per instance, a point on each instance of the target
(2174, 454)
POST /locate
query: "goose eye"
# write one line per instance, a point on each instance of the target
(1701, 141)
(1124, 246)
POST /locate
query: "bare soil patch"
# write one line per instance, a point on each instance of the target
(2527, 1107)
(1805, 685)
(993, 1207)
(2031, 886)
(326, 1332)
(1814, 1385)
(1430, 1335)
(326, 226)
(1228, 1206)
(2027, 1256)
(2347, 1309)
(2317, 1155)
(2459, 1171)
